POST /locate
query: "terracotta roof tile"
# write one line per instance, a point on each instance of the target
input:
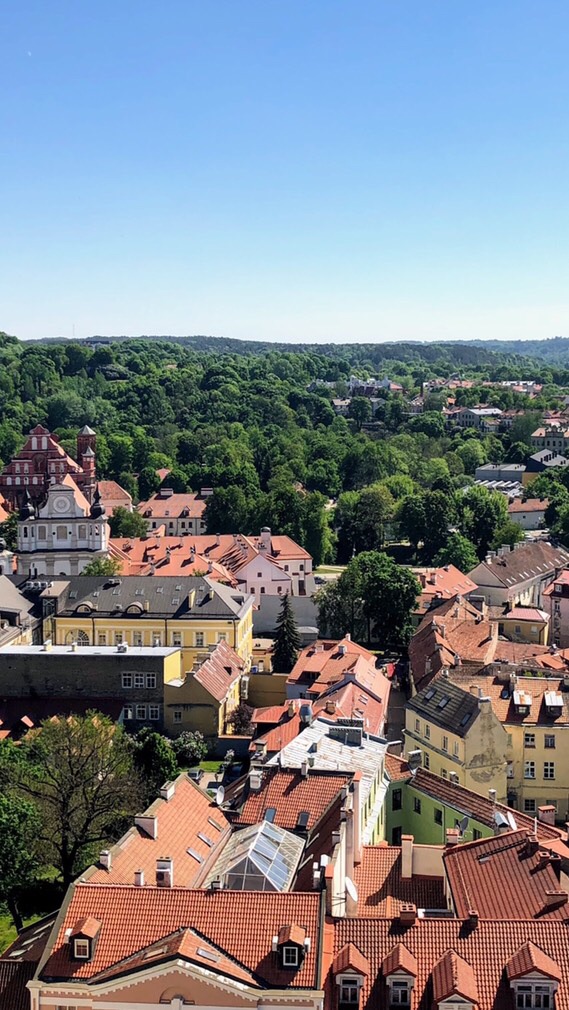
(349, 958)
(530, 505)
(86, 927)
(172, 506)
(241, 923)
(453, 976)
(503, 878)
(219, 671)
(530, 958)
(382, 890)
(292, 933)
(289, 793)
(399, 959)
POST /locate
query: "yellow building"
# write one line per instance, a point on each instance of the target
(204, 698)
(459, 736)
(525, 624)
(191, 613)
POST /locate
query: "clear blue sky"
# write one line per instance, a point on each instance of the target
(285, 169)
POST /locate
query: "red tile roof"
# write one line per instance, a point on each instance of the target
(502, 698)
(218, 673)
(453, 976)
(111, 491)
(328, 662)
(382, 890)
(399, 959)
(504, 878)
(530, 505)
(292, 933)
(349, 958)
(86, 927)
(241, 923)
(172, 506)
(181, 820)
(530, 958)
(289, 793)
(275, 739)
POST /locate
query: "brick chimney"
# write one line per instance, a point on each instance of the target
(408, 913)
(546, 814)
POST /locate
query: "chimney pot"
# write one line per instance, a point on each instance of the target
(408, 913)
(105, 859)
(139, 878)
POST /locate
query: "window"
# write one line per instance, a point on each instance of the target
(25, 532)
(127, 680)
(438, 816)
(141, 711)
(417, 726)
(533, 997)
(444, 773)
(176, 638)
(290, 956)
(417, 805)
(529, 769)
(127, 712)
(476, 834)
(455, 749)
(199, 636)
(529, 739)
(102, 639)
(445, 742)
(400, 994)
(151, 680)
(82, 532)
(118, 637)
(426, 761)
(349, 990)
(61, 532)
(41, 534)
(177, 715)
(529, 806)
(427, 731)
(154, 712)
(221, 636)
(156, 641)
(139, 680)
(549, 769)
(396, 799)
(550, 741)
(137, 638)
(81, 948)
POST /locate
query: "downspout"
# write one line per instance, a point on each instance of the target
(321, 925)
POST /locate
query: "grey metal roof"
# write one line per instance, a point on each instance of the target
(166, 596)
(447, 705)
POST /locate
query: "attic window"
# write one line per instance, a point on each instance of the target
(205, 839)
(82, 949)
(349, 991)
(429, 694)
(195, 855)
(290, 956)
(303, 819)
(443, 702)
(270, 814)
(534, 996)
(466, 718)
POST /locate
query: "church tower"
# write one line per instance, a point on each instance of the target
(86, 457)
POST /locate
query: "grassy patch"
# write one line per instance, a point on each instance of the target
(8, 930)
(210, 766)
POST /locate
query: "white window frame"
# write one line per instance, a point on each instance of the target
(549, 771)
(139, 681)
(290, 955)
(137, 639)
(349, 990)
(126, 680)
(127, 713)
(154, 712)
(151, 681)
(141, 711)
(530, 995)
(199, 638)
(529, 769)
(397, 988)
(86, 946)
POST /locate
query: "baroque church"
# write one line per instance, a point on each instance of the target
(42, 461)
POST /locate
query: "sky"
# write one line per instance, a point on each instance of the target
(302, 170)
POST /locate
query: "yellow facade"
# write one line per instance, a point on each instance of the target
(189, 706)
(539, 769)
(479, 758)
(192, 635)
(533, 632)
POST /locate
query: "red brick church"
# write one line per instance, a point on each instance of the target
(42, 460)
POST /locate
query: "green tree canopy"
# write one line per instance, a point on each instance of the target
(286, 645)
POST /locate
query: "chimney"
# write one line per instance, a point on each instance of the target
(329, 882)
(555, 899)
(555, 861)
(532, 844)
(330, 706)
(546, 814)
(105, 859)
(472, 918)
(492, 796)
(408, 913)
(543, 858)
(139, 878)
(304, 768)
(452, 837)
(406, 857)
(165, 872)
(348, 637)
(291, 708)
(265, 540)
(168, 790)
(255, 780)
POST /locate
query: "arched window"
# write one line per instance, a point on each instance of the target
(44, 442)
(34, 442)
(82, 638)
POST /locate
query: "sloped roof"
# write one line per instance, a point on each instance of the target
(172, 506)
(399, 959)
(453, 976)
(529, 505)
(290, 793)
(446, 705)
(530, 958)
(503, 878)
(381, 888)
(218, 672)
(349, 958)
(528, 560)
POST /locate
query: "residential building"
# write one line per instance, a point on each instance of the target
(534, 713)
(556, 603)
(42, 460)
(552, 435)
(476, 417)
(179, 514)
(438, 584)
(37, 681)
(186, 612)
(528, 514)
(541, 462)
(427, 806)
(113, 496)
(519, 575)
(458, 732)
(63, 535)
(456, 634)
(260, 565)
(204, 697)
(525, 624)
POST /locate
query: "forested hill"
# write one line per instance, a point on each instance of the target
(556, 349)
(448, 356)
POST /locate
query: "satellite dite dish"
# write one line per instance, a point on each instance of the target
(463, 824)
(511, 820)
(351, 889)
(219, 796)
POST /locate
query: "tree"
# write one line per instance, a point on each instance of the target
(472, 454)
(375, 507)
(80, 773)
(155, 760)
(148, 482)
(360, 411)
(517, 453)
(412, 518)
(189, 747)
(102, 566)
(482, 511)
(286, 645)
(127, 524)
(227, 511)
(9, 531)
(507, 532)
(317, 536)
(240, 719)
(458, 551)
(19, 827)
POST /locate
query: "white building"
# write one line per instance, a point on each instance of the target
(63, 535)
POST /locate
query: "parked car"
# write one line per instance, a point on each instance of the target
(195, 774)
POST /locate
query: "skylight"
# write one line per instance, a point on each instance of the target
(444, 701)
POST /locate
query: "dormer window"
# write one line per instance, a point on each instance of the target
(290, 956)
(533, 977)
(82, 949)
(349, 990)
(291, 944)
(534, 996)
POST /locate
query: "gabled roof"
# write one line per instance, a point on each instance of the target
(110, 490)
(529, 959)
(328, 661)
(530, 505)
(399, 959)
(382, 890)
(349, 958)
(218, 672)
(19, 962)
(446, 705)
(241, 924)
(504, 877)
(172, 506)
(453, 976)
(528, 560)
(292, 933)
